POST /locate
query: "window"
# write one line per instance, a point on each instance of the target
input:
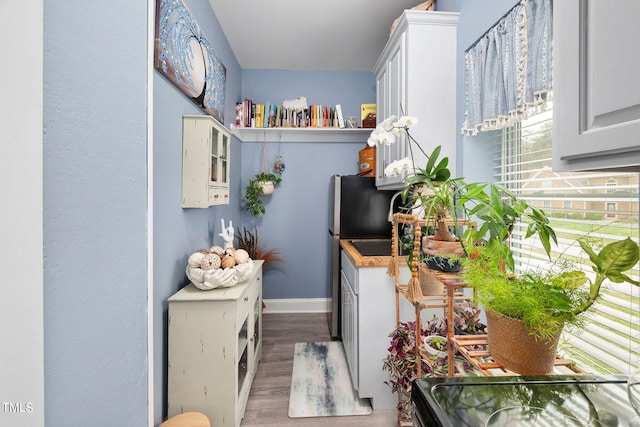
(602, 205)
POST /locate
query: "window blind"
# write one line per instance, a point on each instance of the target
(597, 205)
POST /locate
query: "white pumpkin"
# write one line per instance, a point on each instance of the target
(241, 256)
(217, 250)
(195, 259)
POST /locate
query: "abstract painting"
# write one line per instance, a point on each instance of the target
(185, 57)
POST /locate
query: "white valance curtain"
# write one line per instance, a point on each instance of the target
(508, 70)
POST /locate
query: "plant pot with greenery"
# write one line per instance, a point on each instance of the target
(435, 346)
(262, 184)
(466, 321)
(402, 363)
(541, 304)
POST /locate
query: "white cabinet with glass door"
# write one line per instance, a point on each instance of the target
(596, 66)
(205, 162)
(416, 76)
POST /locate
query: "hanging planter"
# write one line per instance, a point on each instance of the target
(267, 187)
(262, 184)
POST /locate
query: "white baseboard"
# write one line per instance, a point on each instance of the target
(297, 305)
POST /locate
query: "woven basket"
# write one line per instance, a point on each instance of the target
(512, 345)
(428, 284)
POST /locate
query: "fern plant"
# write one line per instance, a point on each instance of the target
(546, 301)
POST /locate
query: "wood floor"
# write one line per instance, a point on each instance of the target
(269, 398)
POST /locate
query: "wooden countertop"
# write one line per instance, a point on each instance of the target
(364, 261)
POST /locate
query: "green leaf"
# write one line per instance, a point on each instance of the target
(432, 159)
(592, 255)
(570, 279)
(618, 257)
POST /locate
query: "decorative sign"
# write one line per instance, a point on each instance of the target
(185, 57)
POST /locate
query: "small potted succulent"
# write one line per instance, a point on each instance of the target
(466, 321)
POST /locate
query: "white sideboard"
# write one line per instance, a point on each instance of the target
(215, 344)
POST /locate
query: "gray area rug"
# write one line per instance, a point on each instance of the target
(320, 383)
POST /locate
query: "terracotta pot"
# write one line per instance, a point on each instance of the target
(512, 345)
(442, 232)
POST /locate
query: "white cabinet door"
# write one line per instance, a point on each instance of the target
(205, 162)
(416, 76)
(596, 84)
(391, 101)
(350, 328)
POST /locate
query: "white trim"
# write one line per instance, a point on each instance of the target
(150, 353)
(21, 219)
(297, 305)
(308, 134)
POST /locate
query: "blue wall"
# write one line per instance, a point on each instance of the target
(297, 218)
(178, 232)
(95, 213)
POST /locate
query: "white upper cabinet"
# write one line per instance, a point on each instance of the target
(416, 76)
(596, 85)
(205, 162)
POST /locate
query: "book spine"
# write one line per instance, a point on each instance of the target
(340, 116)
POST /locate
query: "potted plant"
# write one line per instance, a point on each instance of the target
(262, 184)
(466, 321)
(536, 306)
(420, 181)
(497, 210)
(436, 346)
(402, 363)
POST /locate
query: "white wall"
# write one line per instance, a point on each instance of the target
(21, 334)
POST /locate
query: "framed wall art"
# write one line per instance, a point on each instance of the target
(184, 56)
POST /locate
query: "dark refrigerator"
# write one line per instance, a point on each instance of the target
(358, 211)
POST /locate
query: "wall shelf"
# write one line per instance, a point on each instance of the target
(301, 134)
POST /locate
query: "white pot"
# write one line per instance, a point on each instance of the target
(417, 191)
(267, 187)
(431, 350)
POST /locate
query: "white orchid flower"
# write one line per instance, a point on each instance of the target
(392, 169)
(387, 138)
(406, 122)
(387, 124)
(405, 164)
(398, 131)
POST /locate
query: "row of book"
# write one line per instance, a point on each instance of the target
(267, 115)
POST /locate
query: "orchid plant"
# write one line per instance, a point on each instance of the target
(389, 131)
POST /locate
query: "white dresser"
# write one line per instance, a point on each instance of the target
(215, 344)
